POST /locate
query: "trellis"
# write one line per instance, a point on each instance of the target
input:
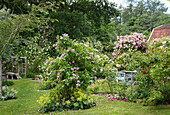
(17, 68)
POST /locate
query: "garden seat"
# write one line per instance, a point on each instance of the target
(126, 75)
(120, 76)
(13, 75)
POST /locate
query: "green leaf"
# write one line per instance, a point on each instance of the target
(76, 104)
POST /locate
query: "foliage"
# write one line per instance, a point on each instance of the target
(100, 86)
(78, 26)
(7, 83)
(7, 94)
(55, 102)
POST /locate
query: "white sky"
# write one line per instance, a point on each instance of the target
(167, 3)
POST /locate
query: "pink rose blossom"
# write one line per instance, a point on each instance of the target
(72, 50)
(65, 35)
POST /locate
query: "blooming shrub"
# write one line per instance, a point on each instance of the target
(7, 94)
(54, 102)
(73, 68)
(126, 44)
(152, 75)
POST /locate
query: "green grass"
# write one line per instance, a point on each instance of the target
(28, 95)
(26, 99)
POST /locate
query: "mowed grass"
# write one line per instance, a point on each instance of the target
(28, 93)
(26, 102)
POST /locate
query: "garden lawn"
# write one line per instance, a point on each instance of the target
(28, 93)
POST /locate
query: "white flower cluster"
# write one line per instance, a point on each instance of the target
(7, 94)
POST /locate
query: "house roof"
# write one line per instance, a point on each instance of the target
(163, 27)
(159, 32)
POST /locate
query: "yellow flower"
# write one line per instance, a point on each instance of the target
(41, 98)
(52, 98)
(57, 104)
(84, 96)
(79, 99)
(89, 101)
(68, 102)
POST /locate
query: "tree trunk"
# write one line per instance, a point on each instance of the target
(0, 77)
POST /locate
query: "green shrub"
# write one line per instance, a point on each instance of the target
(30, 74)
(54, 102)
(7, 83)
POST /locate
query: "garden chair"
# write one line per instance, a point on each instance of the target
(126, 75)
(120, 76)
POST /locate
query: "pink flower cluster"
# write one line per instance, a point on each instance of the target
(144, 72)
(128, 42)
(111, 99)
(76, 68)
(65, 35)
(61, 56)
(55, 45)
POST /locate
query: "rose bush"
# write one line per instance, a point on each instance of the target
(152, 75)
(74, 67)
(124, 48)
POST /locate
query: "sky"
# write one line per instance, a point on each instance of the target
(167, 4)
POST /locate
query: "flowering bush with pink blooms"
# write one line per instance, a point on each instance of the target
(152, 75)
(73, 68)
(126, 44)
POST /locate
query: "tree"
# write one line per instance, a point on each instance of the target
(127, 12)
(24, 6)
(9, 28)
